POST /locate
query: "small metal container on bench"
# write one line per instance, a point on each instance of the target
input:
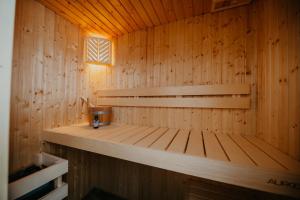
(102, 113)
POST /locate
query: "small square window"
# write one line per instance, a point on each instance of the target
(98, 51)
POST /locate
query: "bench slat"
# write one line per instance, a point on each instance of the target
(163, 142)
(195, 145)
(146, 142)
(104, 133)
(259, 157)
(280, 157)
(137, 137)
(234, 152)
(213, 148)
(179, 142)
(116, 133)
(128, 134)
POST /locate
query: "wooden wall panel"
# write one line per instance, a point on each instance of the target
(135, 181)
(48, 78)
(278, 115)
(209, 49)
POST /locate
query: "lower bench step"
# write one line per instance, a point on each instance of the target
(43, 180)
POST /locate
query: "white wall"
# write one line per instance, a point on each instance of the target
(7, 15)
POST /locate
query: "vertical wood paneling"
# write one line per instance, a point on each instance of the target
(241, 45)
(48, 78)
(208, 49)
(278, 113)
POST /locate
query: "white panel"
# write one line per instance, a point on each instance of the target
(7, 15)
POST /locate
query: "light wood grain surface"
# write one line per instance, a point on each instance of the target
(224, 156)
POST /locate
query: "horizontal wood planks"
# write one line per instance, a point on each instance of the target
(170, 148)
(195, 90)
(187, 102)
(206, 102)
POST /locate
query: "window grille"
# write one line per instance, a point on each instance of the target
(98, 51)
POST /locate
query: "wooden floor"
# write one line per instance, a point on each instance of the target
(215, 156)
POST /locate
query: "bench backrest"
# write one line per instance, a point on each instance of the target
(197, 96)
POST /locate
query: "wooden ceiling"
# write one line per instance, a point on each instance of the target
(116, 17)
(112, 18)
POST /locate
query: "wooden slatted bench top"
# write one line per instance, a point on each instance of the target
(233, 159)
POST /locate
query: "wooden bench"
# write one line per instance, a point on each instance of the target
(53, 170)
(233, 159)
(237, 160)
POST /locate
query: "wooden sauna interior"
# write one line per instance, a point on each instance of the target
(190, 84)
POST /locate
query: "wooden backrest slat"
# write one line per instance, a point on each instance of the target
(189, 102)
(196, 90)
(234, 96)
